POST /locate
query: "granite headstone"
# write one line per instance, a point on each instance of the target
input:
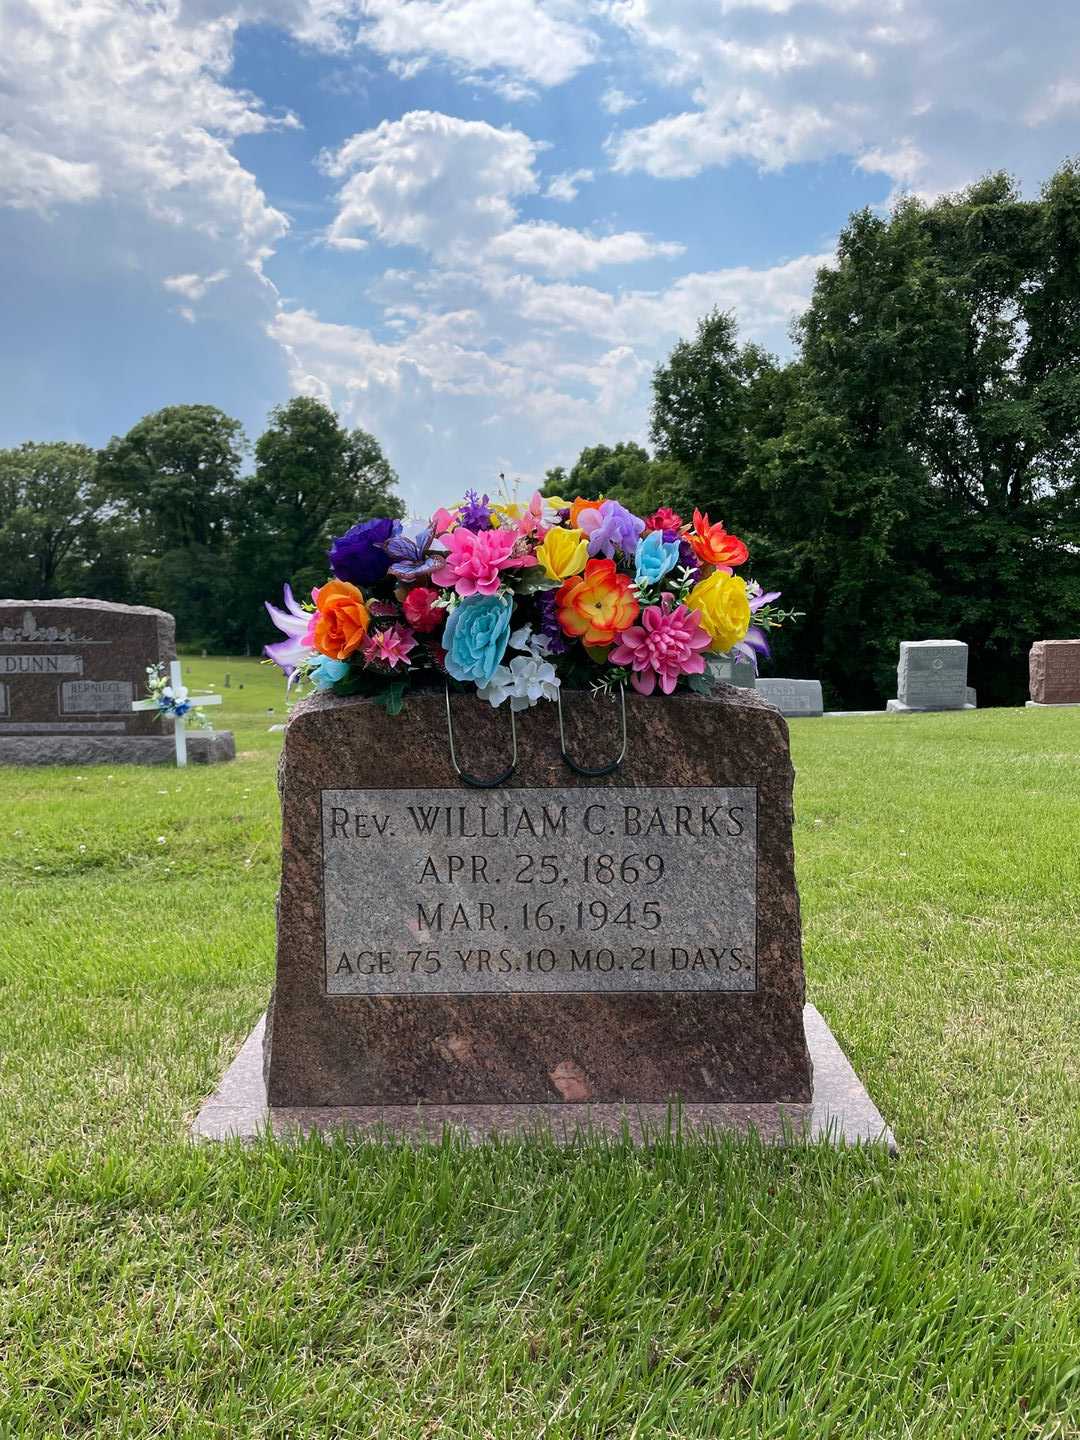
(69, 671)
(558, 939)
(792, 697)
(1054, 672)
(931, 675)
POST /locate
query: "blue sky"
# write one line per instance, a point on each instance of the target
(473, 226)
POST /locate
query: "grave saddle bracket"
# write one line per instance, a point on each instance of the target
(592, 771)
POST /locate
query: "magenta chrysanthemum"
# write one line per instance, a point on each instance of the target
(667, 643)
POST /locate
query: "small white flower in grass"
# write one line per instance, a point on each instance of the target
(82, 849)
(161, 839)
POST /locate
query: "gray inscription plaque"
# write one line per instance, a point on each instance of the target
(41, 664)
(4, 710)
(96, 697)
(430, 892)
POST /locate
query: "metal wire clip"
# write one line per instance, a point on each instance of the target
(589, 770)
(474, 780)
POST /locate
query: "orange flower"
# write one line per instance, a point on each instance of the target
(579, 504)
(713, 545)
(342, 619)
(595, 606)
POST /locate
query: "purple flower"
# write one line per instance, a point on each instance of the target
(549, 623)
(409, 554)
(475, 514)
(296, 624)
(359, 555)
(610, 528)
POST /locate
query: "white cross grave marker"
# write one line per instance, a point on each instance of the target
(196, 702)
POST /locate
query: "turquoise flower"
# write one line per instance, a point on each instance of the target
(326, 672)
(475, 637)
(654, 557)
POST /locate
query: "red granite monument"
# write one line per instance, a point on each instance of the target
(560, 945)
(1054, 672)
(69, 671)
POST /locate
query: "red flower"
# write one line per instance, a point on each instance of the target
(714, 546)
(420, 609)
(663, 519)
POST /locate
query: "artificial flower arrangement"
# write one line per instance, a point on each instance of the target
(172, 700)
(518, 600)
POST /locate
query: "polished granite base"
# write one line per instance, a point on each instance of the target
(841, 1112)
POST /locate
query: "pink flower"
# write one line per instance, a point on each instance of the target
(475, 559)
(443, 520)
(666, 644)
(390, 646)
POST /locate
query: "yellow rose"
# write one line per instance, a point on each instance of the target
(724, 608)
(563, 553)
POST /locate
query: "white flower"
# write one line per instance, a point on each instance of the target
(525, 639)
(527, 679)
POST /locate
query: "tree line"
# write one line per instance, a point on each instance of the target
(166, 516)
(912, 472)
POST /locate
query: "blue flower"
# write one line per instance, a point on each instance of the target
(654, 557)
(326, 672)
(358, 556)
(476, 636)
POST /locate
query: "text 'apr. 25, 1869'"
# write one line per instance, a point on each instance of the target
(600, 888)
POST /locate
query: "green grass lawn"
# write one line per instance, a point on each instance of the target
(151, 1288)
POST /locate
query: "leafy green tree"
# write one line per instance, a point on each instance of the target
(313, 479)
(703, 405)
(176, 472)
(944, 350)
(47, 499)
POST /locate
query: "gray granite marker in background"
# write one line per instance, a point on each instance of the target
(792, 697)
(931, 675)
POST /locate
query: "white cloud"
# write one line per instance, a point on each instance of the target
(615, 101)
(486, 355)
(105, 101)
(431, 180)
(558, 250)
(191, 286)
(931, 95)
(32, 179)
(450, 187)
(539, 41)
(565, 186)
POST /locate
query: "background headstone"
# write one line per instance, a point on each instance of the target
(558, 939)
(792, 697)
(737, 672)
(70, 670)
(1054, 672)
(931, 675)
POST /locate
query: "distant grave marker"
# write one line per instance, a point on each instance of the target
(931, 675)
(1054, 672)
(792, 697)
(69, 673)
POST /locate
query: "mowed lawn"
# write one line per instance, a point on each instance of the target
(153, 1288)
